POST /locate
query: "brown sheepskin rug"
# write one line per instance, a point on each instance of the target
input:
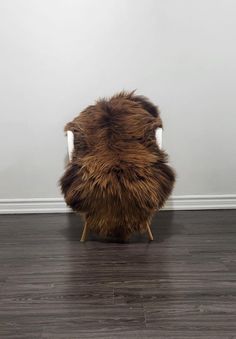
(118, 177)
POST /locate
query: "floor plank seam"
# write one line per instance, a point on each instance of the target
(145, 317)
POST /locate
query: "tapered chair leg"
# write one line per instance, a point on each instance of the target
(85, 232)
(149, 232)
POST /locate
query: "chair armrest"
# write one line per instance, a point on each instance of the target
(70, 143)
(159, 137)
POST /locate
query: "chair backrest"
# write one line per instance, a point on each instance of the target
(70, 144)
(70, 141)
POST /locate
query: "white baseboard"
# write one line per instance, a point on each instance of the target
(42, 205)
(57, 205)
(201, 202)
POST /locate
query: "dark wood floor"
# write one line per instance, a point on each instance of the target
(182, 285)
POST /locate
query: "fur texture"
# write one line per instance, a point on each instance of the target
(118, 176)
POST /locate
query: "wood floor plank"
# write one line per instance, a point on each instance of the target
(182, 285)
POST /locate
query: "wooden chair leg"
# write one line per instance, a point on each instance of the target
(149, 232)
(85, 232)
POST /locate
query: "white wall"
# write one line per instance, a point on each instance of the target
(58, 56)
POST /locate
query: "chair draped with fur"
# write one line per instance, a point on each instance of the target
(118, 177)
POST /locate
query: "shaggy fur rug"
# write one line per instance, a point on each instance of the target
(118, 176)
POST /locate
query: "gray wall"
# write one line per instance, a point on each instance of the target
(58, 56)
